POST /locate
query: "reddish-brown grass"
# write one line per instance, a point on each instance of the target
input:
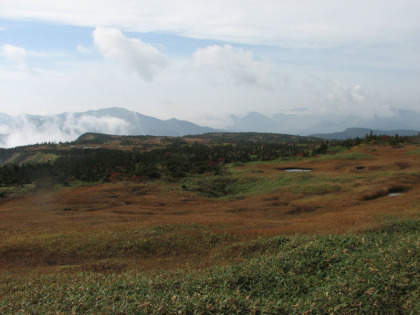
(120, 207)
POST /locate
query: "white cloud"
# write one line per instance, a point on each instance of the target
(137, 56)
(234, 64)
(107, 124)
(309, 23)
(16, 55)
(26, 130)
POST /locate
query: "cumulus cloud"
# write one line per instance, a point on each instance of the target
(142, 58)
(16, 55)
(236, 65)
(306, 22)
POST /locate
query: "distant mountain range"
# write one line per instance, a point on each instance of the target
(30, 129)
(308, 124)
(362, 132)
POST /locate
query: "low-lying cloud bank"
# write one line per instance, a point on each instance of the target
(27, 129)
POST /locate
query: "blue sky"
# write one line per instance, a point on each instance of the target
(203, 61)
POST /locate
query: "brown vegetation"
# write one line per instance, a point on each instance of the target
(97, 228)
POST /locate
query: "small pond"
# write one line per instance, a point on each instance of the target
(394, 194)
(296, 169)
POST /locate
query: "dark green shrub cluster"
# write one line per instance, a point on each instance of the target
(175, 159)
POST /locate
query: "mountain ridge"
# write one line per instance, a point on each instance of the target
(25, 129)
(308, 124)
(29, 129)
(349, 133)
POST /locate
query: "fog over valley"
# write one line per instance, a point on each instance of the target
(29, 129)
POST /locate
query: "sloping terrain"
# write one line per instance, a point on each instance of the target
(320, 225)
(341, 193)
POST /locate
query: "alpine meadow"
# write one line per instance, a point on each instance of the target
(218, 223)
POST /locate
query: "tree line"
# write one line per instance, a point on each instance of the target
(176, 160)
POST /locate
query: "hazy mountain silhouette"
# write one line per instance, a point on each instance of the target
(362, 132)
(139, 124)
(26, 129)
(253, 122)
(308, 124)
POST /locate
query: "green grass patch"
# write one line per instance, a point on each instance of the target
(239, 184)
(375, 272)
(80, 183)
(336, 149)
(16, 191)
(159, 241)
(15, 158)
(321, 189)
(279, 160)
(43, 158)
(344, 156)
(416, 152)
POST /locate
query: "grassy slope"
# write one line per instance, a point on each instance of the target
(372, 272)
(27, 157)
(328, 241)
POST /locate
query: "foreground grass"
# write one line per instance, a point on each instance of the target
(109, 248)
(376, 271)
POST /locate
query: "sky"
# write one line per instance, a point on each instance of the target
(203, 61)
